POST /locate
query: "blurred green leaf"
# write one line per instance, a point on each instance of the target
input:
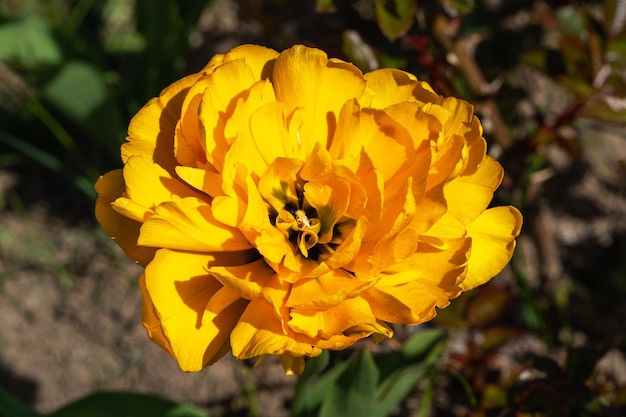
(458, 7)
(418, 346)
(325, 6)
(10, 407)
(358, 51)
(581, 361)
(312, 388)
(77, 90)
(572, 20)
(27, 43)
(397, 386)
(125, 404)
(354, 391)
(44, 158)
(395, 17)
(494, 396)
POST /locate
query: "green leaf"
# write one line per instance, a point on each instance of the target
(28, 43)
(10, 407)
(458, 7)
(312, 388)
(418, 346)
(354, 392)
(395, 17)
(325, 6)
(77, 90)
(125, 404)
(397, 386)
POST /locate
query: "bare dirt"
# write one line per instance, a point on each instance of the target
(71, 310)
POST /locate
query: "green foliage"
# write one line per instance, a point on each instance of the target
(395, 17)
(71, 91)
(366, 384)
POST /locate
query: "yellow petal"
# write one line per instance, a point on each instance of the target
(201, 179)
(293, 365)
(346, 144)
(188, 224)
(330, 198)
(388, 144)
(228, 82)
(392, 86)
(409, 292)
(259, 59)
(325, 291)
(122, 230)
(306, 79)
(278, 184)
(493, 236)
(259, 332)
(151, 130)
(239, 131)
(247, 281)
(468, 196)
(328, 322)
(150, 321)
(180, 289)
(439, 269)
(148, 184)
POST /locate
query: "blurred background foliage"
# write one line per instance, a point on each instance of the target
(548, 80)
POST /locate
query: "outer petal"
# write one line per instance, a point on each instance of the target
(227, 83)
(180, 290)
(468, 196)
(259, 59)
(392, 86)
(260, 332)
(151, 131)
(188, 224)
(150, 321)
(493, 236)
(410, 291)
(329, 322)
(122, 230)
(148, 184)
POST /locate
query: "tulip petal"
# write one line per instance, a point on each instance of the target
(122, 229)
(325, 291)
(180, 289)
(328, 322)
(259, 332)
(151, 131)
(247, 281)
(188, 224)
(468, 196)
(393, 86)
(493, 236)
(304, 78)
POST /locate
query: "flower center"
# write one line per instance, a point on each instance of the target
(300, 226)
